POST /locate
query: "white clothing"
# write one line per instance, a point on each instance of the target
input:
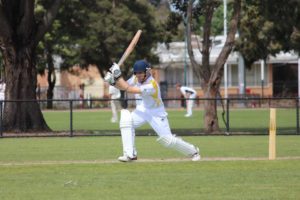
(2, 93)
(149, 108)
(2, 96)
(149, 101)
(114, 94)
(189, 94)
(160, 124)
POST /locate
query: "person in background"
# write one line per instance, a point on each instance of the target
(114, 94)
(189, 94)
(2, 92)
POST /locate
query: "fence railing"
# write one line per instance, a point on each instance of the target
(239, 115)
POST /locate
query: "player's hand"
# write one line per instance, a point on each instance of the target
(109, 78)
(116, 71)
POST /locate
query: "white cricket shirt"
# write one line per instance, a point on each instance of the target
(150, 99)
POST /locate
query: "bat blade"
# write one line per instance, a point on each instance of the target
(130, 47)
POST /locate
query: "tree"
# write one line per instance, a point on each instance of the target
(210, 76)
(78, 36)
(21, 31)
(268, 27)
(121, 19)
(67, 28)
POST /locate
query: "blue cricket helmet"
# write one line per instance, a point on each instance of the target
(140, 66)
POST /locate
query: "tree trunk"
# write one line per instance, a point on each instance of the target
(211, 122)
(204, 71)
(21, 76)
(51, 78)
(20, 34)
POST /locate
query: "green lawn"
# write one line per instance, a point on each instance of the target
(76, 168)
(154, 181)
(253, 120)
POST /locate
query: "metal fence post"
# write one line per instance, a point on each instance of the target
(91, 103)
(71, 118)
(227, 114)
(297, 114)
(1, 113)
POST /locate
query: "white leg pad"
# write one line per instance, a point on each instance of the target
(127, 133)
(178, 144)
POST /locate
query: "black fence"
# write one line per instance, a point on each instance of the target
(237, 115)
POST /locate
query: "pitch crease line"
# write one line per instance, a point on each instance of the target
(66, 162)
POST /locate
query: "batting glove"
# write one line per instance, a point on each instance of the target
(109, 78)
(116, 71)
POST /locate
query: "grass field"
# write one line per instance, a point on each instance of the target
(253, 120)
(233, 167)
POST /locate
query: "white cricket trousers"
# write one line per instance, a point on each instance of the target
(190, 104)
(160, 124)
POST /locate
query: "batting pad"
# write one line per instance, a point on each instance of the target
(127, 133)
(178, 144)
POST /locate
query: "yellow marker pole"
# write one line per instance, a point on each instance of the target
(272, 134)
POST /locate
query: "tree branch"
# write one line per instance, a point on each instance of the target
(25, 28)
(208, 15)
(47, 21)
(229, 44)
(5, 31)
(195, 65)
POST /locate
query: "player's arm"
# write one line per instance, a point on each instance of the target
(185, 95)
(144, 90)
(123, 85)
(114, 77)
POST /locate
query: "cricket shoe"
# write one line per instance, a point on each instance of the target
(126, 158)
(196, 156)
(188, 115)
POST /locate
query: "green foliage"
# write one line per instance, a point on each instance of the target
(111, 28)
(155, 2)
(295, 39)
(67, 28)
(217, 28)
(174, 19)
(98, 32)
(268, 27)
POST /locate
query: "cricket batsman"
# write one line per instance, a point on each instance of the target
(149, 108)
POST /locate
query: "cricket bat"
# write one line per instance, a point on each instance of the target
(130, 47)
